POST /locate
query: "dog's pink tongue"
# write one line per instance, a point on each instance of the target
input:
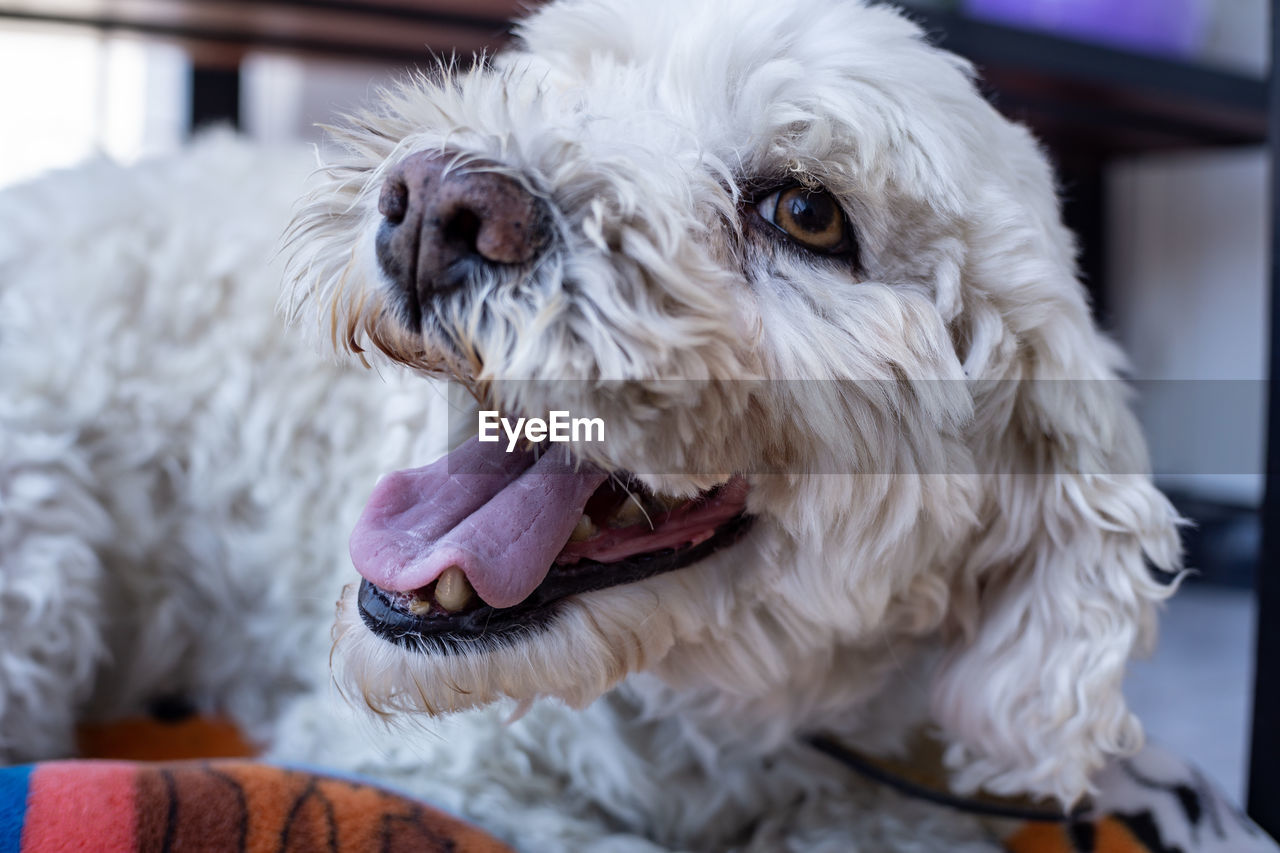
(500, 517)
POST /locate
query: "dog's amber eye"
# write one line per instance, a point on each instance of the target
(811, 217)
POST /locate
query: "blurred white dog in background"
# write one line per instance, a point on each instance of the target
(866, 469)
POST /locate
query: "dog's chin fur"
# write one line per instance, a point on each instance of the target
(983, 498)
(586, 649)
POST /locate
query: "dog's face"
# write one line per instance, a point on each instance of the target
(819, 295)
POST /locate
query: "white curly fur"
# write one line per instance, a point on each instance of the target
(959, 539)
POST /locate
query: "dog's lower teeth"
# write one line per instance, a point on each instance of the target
(418, 606)
(630, 513)
(665, 503)
(453, 590)
(583, 530)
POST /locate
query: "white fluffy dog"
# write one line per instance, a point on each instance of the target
(820, 295)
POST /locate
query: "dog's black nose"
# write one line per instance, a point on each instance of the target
(442, 225)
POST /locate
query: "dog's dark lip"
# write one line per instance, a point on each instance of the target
(480, 627)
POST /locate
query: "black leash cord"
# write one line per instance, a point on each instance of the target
(837, 751)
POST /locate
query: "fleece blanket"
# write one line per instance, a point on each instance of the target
(119, 806)
(1153, 803)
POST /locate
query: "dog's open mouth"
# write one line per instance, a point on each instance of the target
(485, 543)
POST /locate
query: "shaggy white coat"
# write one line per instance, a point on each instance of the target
(178, 474)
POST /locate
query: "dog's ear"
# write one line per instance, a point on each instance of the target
(1076, 545)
